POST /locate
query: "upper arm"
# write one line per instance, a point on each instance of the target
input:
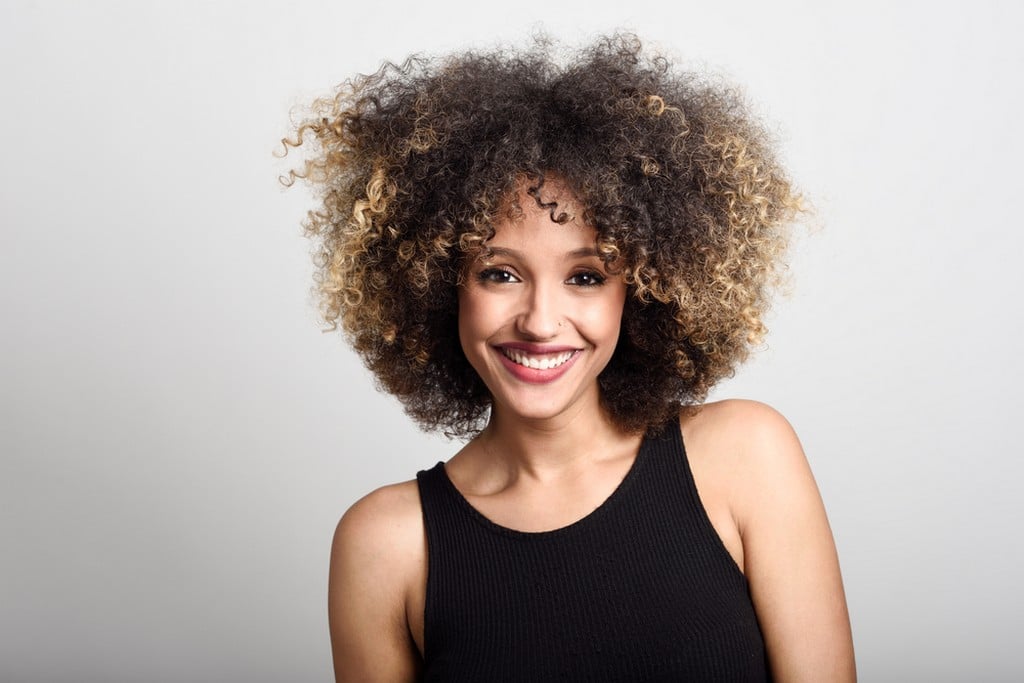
(373, 562)
(789, 555)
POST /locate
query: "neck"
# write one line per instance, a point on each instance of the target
(550, 448)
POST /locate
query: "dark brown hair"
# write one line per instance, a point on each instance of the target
(414, 162)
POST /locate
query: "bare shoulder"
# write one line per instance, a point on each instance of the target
(733, 448)
(748, 426)
(752, 440)
(381, 537)
(380, 516)
(377, 564)
(750, 457)
(750, 451)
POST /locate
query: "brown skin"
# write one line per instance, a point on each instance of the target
(754, 482)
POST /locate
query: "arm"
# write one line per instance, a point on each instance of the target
(376, 558)
(789, 554)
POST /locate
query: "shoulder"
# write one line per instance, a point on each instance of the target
(752, 454)
(381, 527)
(387, 509)
(739, 423)
(750, 435)
(734, 449)
(378, 567)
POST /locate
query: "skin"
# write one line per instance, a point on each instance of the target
(550, 456)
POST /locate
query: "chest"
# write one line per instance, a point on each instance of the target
(642, 605)
(641, 589)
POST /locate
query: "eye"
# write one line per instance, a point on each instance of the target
(497, 276)
(587, 278)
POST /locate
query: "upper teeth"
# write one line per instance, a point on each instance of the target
(537, 362)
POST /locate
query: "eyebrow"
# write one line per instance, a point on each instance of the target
(575, 253)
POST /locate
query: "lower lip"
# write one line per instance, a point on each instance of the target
(534, 375)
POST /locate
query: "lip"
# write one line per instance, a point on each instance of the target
(527, 347)
(536, 375)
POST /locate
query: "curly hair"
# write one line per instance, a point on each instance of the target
(414, 163)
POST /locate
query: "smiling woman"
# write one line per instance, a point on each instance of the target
(558, 260)
(536, 306)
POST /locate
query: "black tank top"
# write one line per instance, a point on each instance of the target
(641, 589)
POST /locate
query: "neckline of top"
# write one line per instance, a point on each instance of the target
(571, 527)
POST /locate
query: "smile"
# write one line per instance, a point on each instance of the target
(544, 361)
(534, 364)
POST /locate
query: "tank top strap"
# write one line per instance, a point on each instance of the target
(440, 504)
(669, 462)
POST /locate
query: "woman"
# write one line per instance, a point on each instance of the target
(558, 262)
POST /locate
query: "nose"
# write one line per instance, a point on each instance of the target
(540, 314)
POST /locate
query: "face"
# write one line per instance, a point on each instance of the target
(539, 318)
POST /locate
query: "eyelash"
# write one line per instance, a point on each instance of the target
(596, 279)
(505, 276)
(496, 275)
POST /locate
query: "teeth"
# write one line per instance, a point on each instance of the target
(537, 362)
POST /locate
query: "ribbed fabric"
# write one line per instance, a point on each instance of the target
(641, 589)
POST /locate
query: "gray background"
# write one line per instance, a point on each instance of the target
(178, 439)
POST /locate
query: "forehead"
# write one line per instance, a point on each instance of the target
(545, 219)
(550, 193)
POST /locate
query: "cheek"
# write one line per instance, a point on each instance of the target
(609, 317)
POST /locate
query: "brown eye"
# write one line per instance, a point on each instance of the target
(587, 278)
(496, 275)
